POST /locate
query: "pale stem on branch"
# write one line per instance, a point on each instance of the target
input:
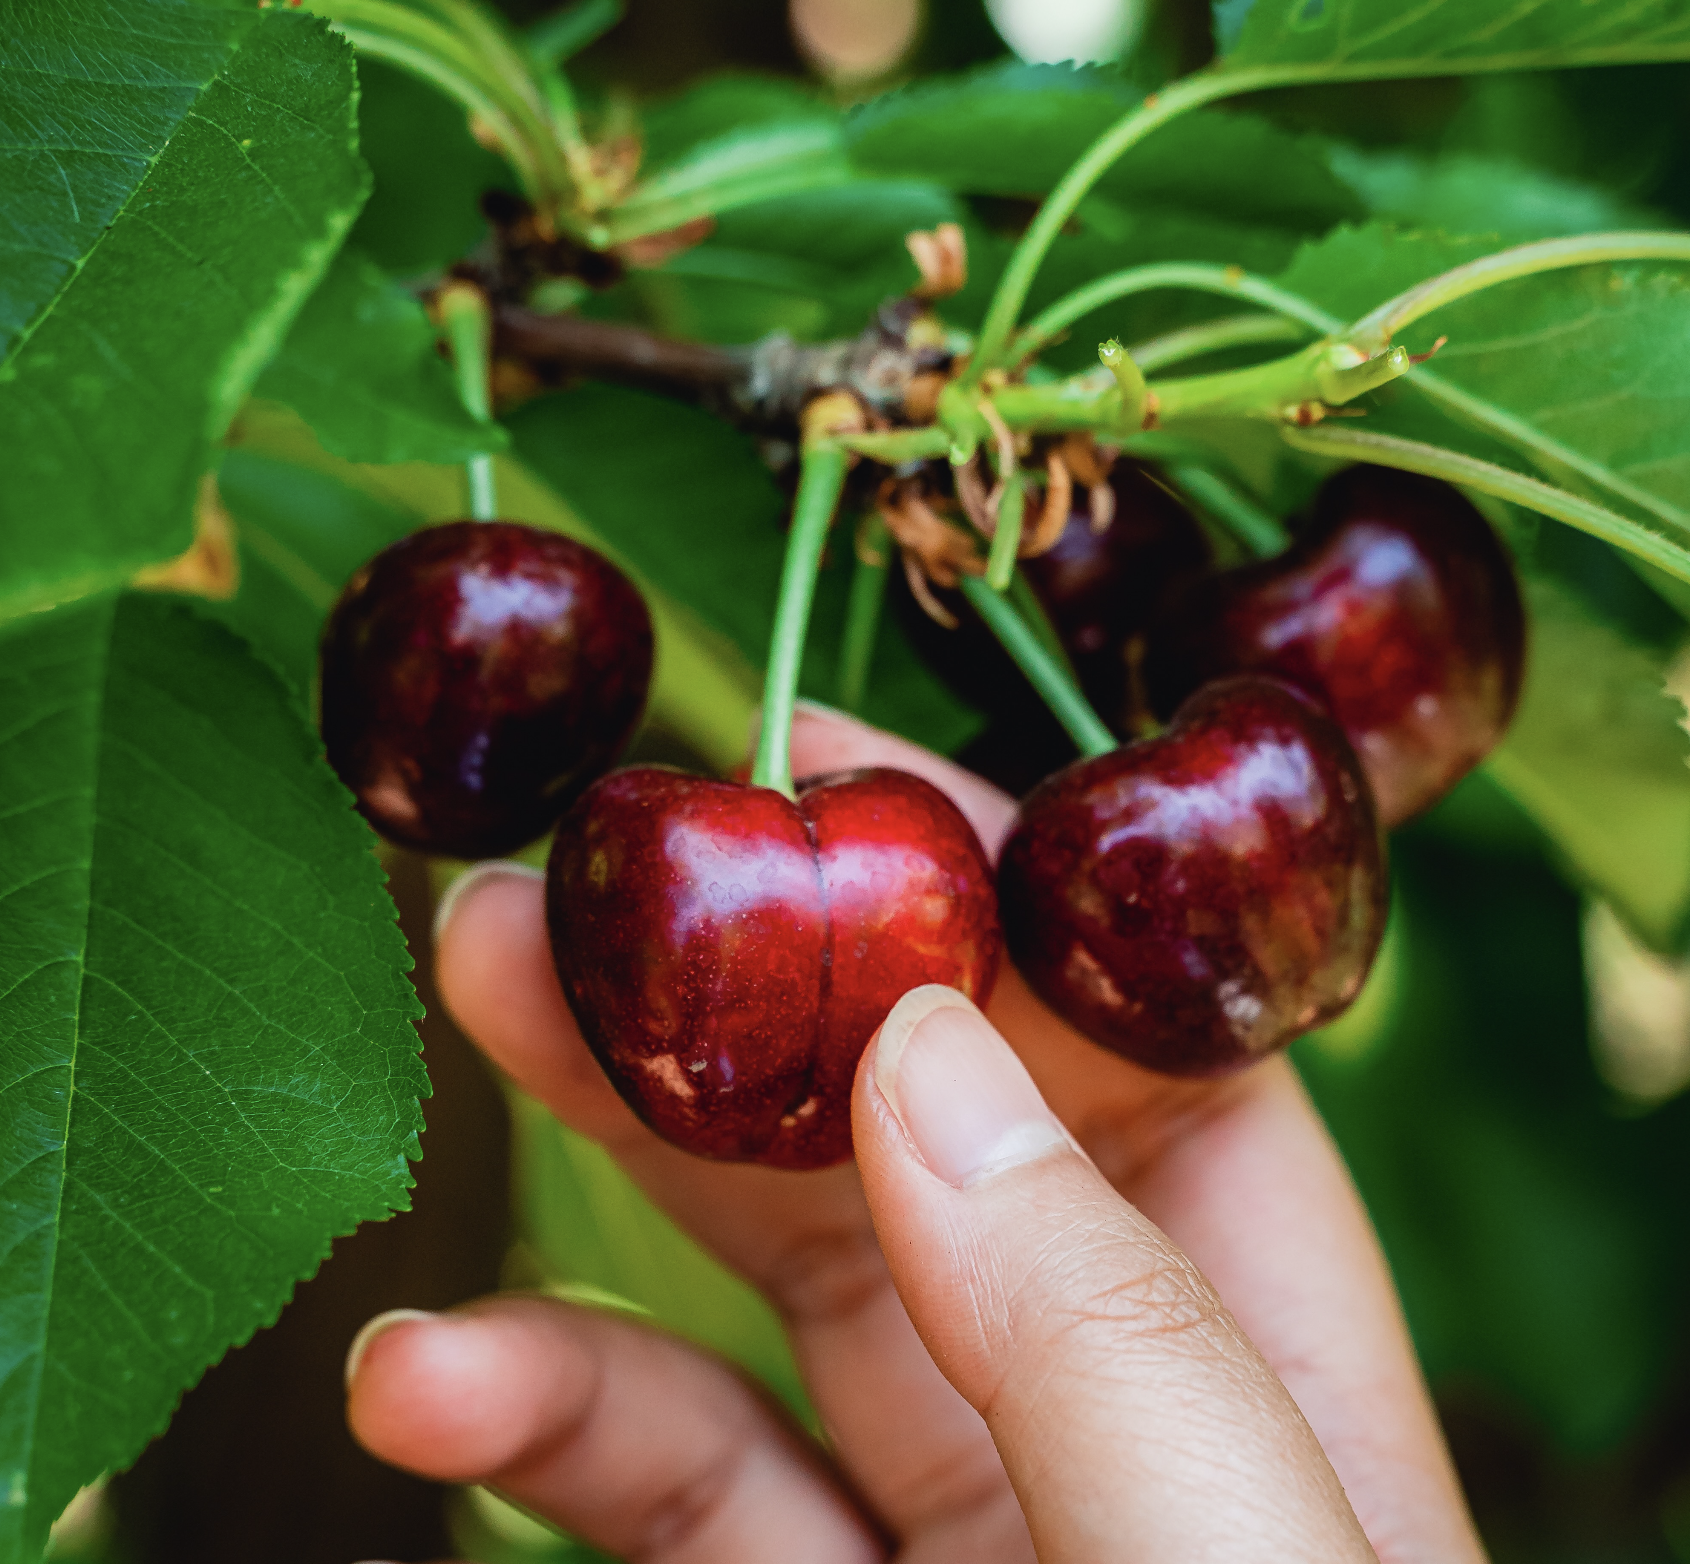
(1242, 517)
(468, 322)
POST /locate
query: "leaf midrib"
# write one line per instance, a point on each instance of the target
(102, 685)
(78, 265)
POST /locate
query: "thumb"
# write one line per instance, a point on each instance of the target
(1134, 1418)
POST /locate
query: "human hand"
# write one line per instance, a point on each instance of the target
(994, 1355)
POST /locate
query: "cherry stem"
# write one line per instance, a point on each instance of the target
(1468, 471)
(1242, 517)
(1006, 541)
(1228, 282)
(862, 613)
(1026, 602)
(468, 323)
(819, 486)
(1044, 673)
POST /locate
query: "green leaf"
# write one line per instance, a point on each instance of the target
(685, 499)
(362, 368)
(429, 173)
(754, 164)
(719, 105)
(1350, 40)
(211, 213)
(210, 1069)
(1013, 130)
(1598, 757)
(1457, 193)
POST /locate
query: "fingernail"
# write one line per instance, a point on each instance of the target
(373, 1328)
(473, 879)
(966, 1102)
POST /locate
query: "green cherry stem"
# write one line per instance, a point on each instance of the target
(468, 323)
(1375, 329)
(1229, 282)
(1242, 517)
(1045, 674)
(1435, 462)
(1060, 204)
(1032, 611)
(862, 612)
(819, 486)
(1212, 336)
(1006, 541)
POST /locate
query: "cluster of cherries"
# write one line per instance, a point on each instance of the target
(1192, 900)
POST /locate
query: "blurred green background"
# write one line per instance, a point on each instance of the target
(1509, 1091)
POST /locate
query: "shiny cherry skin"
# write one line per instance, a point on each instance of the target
(476, 677)
(1197, 900)
(728, 952)
(1398, 608)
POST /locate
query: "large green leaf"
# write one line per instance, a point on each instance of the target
(208, 1068)
(362, 368)
(1346, 40)
(1598, 758)
(208, 171)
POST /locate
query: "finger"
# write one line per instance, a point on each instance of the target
(1133, 1416)
(804, 1240)
(1256, 1193)
(618, 1434)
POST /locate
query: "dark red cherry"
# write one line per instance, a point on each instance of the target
(475, 678)
(1196, 900)
(1398, 608)
(728, 952)
(1099, 587)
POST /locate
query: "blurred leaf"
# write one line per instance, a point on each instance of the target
(430, 173)
(210, 217)
(686, 499)
(815, 264)
(1598, 758)
(588, 1222)
(1013, 130)
(362, 368)
(1457, 193)
(315, 510)
(758, 163)
(210, 1069)
(1349, 40)
(718, 106)
(1535, 1236)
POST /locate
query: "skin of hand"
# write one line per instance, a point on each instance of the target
(1058, 1308)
